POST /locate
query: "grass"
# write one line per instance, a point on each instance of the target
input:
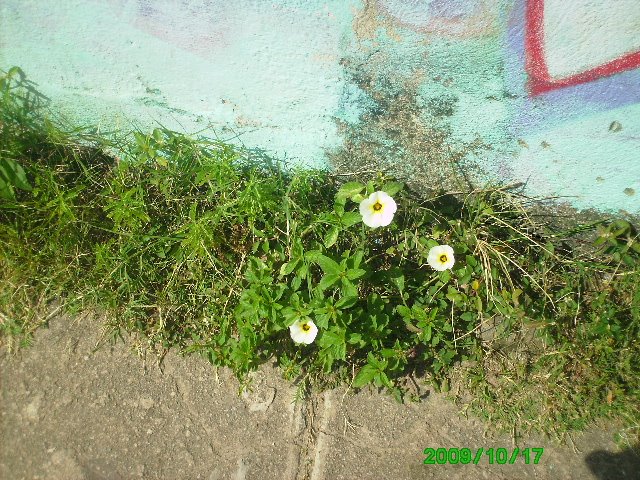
(212, 249)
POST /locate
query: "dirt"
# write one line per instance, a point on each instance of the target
(71, 412)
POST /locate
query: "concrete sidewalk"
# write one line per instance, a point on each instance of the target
(70, 413)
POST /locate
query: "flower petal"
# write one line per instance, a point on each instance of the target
(299, 335)
(435, 254)
(365, 206)
(381, 217)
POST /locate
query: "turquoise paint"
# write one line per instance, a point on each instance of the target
(302, 78)
(353, 103)
(585, 166)
(585, 162)
(269, 72)
(468, 71)
(403, 56)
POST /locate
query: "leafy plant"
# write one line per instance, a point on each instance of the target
(202, 246)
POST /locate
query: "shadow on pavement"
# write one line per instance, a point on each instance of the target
(615, 466)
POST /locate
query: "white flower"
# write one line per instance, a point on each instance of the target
(378, 209)
(303, 331)
(441, 257)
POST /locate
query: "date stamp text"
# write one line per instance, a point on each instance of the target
(500, 456)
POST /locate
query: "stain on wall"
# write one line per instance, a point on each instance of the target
(442, 92)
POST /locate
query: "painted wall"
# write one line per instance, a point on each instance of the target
(541, 91)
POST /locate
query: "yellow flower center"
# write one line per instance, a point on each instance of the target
(377, 206)
(443, 258)
(306, 327)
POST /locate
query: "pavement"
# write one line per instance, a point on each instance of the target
(73, 412)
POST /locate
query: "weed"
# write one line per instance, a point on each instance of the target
(202, 246)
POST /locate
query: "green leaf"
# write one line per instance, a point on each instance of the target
(468, 317)
(391, 188)
(380, 365)
(328, 280)
(454, 296)
(404, 312)
(348, 288)
(349, 189)
(331, 237)
(397, 278)
(356, 259)
(157, 135)
(328, 265)
(426, 333)
(430, 243)
(192, 211)
(303, 270)
(289, 267)
(297, 250)
(322, 321)
(355, 273)
(5, 191)
(356, 339)
(347, 302)
(13, 174)
(388, 352)
(312, 255)
(327, 218)
(419, 313)
(290, 315)
(370, 187)
(350, 218)
(515, 295)
(478, 303)
(364, 376)
(333, 346)
(382, 379)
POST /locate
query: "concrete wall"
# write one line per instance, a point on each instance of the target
(541, 91)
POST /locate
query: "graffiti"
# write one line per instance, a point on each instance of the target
(202, 31)
(383, 79)
(568, 43)
(451, 18)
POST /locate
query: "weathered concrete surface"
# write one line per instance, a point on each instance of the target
(267, 71)
(551, 88)
(72, 413)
